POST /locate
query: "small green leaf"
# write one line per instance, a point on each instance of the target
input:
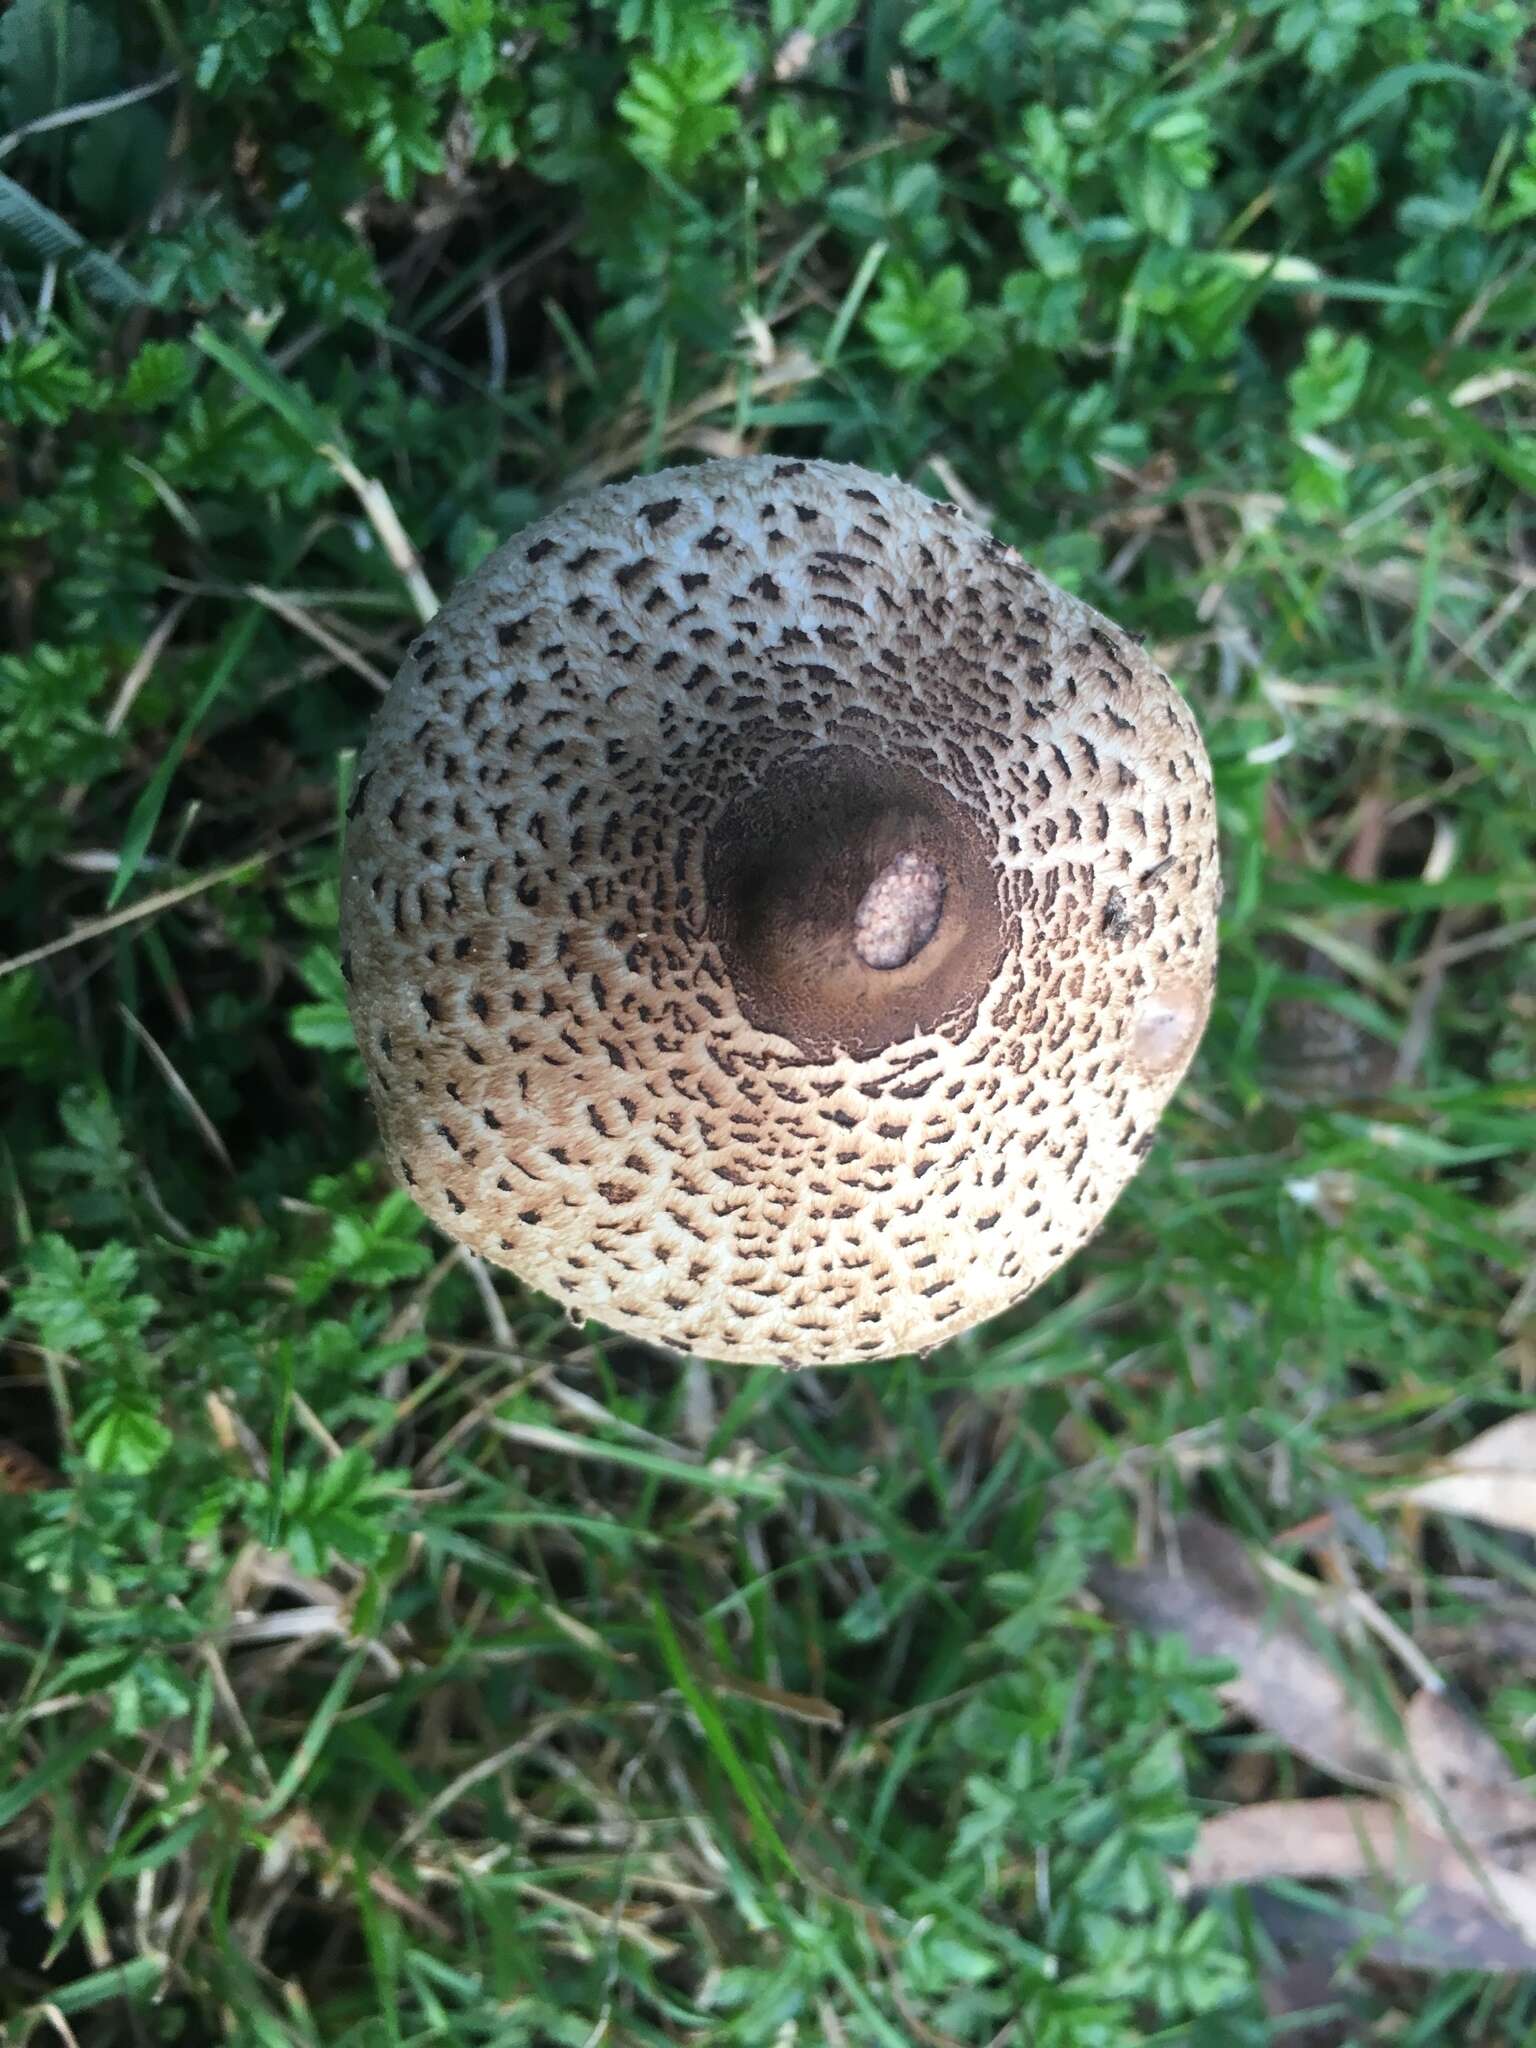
(342, 1509)
(674, 107)
(43, 381)
(1521, 202)
(326, 1024)
(917, 323)
(1324, 388)
(122, 1433)
(158, 374)
(1351, 184)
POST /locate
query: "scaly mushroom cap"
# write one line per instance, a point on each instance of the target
(775, 916)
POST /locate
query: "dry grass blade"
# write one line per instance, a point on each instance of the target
(684, 427)
(314, 628)
(1492, 1479)
(385, 521)
(206, 1128)
(1291, 1677)
(135, 913)
(795, 1706)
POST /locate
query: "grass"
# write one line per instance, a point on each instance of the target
(382, 1660)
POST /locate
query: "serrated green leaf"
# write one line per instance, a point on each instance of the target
(122, 1433)
(159, 373)
(43, 381)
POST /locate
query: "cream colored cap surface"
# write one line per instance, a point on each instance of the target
(775, 916)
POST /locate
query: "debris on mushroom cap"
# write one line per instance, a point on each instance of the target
(775, 916)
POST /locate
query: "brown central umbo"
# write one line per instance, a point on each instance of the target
(853, 903)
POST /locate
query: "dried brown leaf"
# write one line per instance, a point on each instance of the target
(1291, 1679)
(20, 1472)
(1492, 1479)
(1449, 1911)
(1466, 1791)
(1330, 1838)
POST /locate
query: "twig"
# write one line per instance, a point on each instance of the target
(304, 622)
(385, 521)
(87, 110)
(206, 1127)
(131, 913)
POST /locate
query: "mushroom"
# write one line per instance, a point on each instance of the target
(775, 916)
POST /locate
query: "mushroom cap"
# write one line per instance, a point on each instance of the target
(775, 916)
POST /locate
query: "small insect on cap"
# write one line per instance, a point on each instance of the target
(776, 917)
